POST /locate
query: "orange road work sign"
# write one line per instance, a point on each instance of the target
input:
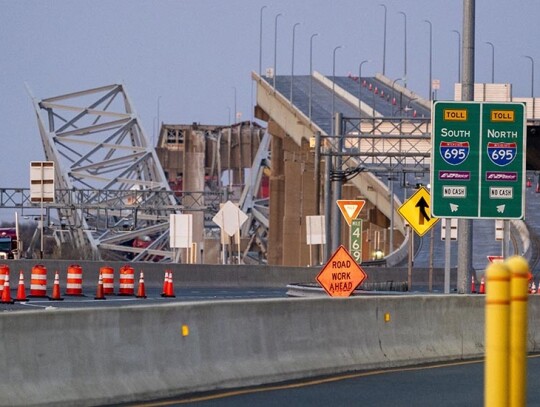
(341, 274)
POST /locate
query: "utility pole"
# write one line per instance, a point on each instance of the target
(465, 228)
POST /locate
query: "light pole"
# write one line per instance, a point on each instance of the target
(234, 87)
(384, 42)
(492, 61)
(405, 47)
(430, 57)
(459, 54)
(311, 72)
(394, 91)
(292, 59)
(275, 49)
(260, 39)
(333, 90)
(158, 122)
(532, 81)
(360, 84)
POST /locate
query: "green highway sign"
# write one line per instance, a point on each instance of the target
(478, 160)
(355, 240)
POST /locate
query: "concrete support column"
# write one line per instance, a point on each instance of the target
(299, 203)
(277, 203)
(193, 170)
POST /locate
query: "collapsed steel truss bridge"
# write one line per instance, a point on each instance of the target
(107, 174)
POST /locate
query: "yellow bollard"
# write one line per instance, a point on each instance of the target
(497, 335)
(519, 295)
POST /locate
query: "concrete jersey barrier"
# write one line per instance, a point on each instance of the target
(86, 357)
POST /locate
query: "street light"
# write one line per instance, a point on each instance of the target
(430, 57)
(260, 39)
(405, 47)
(275, 49)
(360, 84)
(158, 123)
(292, 59)
(394, 91)
(384, 42)
(459, 54)
(532, 73)
(492, 61)
(532, 81)
(311, 72)
(333, 89)
(234, 104)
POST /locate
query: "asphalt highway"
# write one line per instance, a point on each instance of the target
(153, 297)
(456, 384)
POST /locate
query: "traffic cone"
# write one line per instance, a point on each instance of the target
(169, 290)
(482, 286)
(165, 283)
(21, 292)
(99, 292)
(473, 285)
(533, 288)
(141, 292)
(6, 294)
(56, 289)
(171, 286)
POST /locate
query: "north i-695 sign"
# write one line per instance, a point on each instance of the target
(478, 160)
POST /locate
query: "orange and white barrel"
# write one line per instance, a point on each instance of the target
(38, 281)
(4, 270)
(107, 276)
(126, 281)
(74, 280)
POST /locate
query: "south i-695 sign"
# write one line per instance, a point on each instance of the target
(478, 160)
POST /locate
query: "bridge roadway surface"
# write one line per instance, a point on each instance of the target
(324, 102)
(455, 384)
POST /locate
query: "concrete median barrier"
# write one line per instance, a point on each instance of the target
(105, 356)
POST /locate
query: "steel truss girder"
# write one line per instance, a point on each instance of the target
(108, 174)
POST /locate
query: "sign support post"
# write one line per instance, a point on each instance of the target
(41, 189)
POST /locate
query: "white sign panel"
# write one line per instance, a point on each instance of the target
(230, 218)
(181, 231)
(315, 231)
(41, 181)
(453, 228)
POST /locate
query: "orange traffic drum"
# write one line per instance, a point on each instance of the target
(38, 281)
(107, 276)
(4, 271)
(126, 281)
(74, 280)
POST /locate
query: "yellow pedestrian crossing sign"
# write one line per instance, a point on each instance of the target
(417, 212)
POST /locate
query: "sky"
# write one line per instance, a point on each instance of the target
(183, 61)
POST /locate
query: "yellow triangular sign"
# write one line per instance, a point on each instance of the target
(350, 208)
